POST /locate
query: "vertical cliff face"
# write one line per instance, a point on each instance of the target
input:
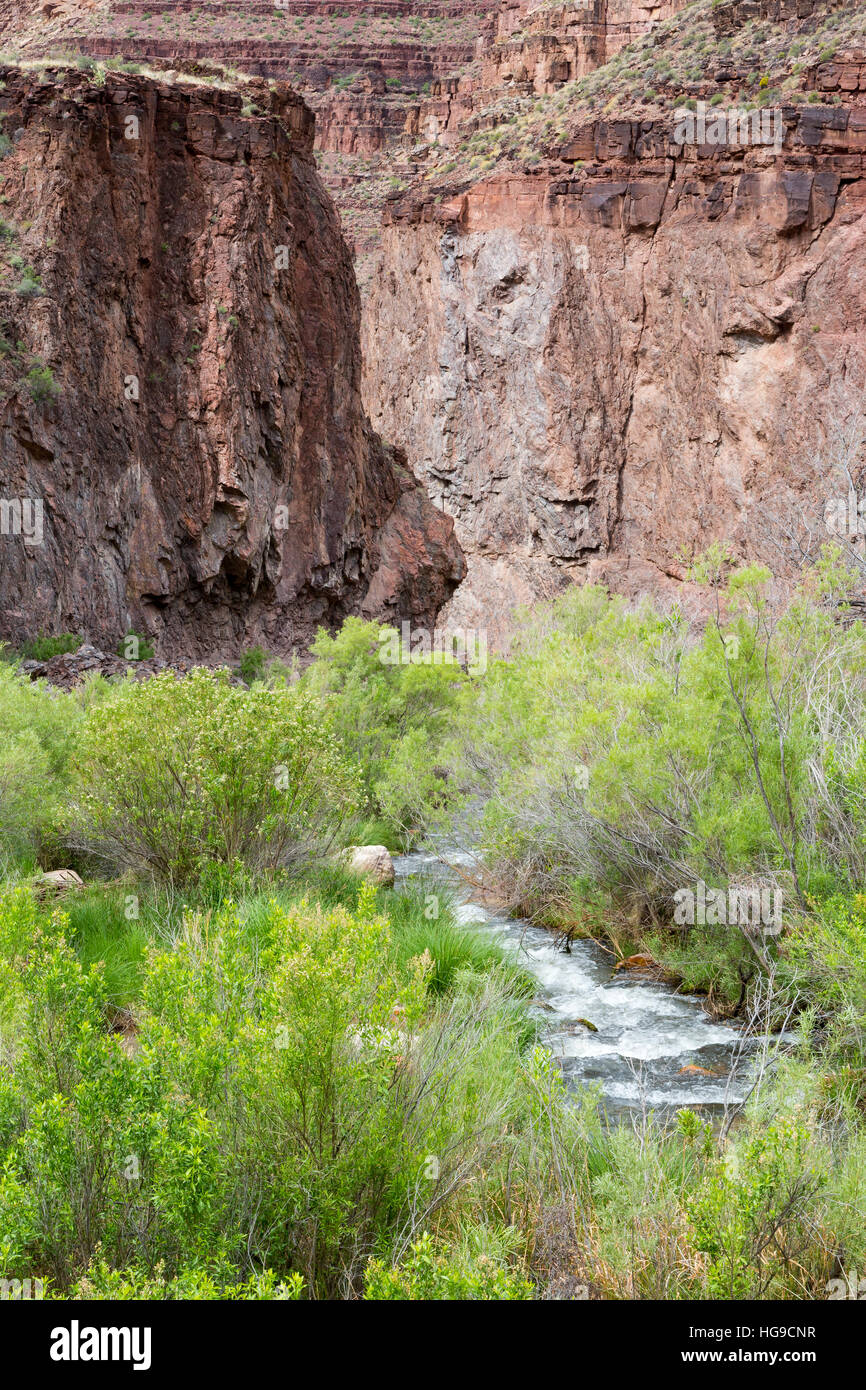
(180, 378)
(639, 354)
(386, 78)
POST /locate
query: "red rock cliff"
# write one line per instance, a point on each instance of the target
(180, 374)
(641, 347)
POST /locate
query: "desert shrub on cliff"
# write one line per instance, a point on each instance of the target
(173, 775)
(40, 382)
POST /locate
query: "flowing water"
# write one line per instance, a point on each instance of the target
(646, 1034)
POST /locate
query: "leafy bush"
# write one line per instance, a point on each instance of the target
(135, 647)
(279, 1100)
(38, 730)
(173, 774)
(823, 960)
(428, 1275)
(390, 716)
(253, 664)
(40, 380)
(43, 648)
(754, 1207)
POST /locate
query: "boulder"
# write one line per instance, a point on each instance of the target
(371, 861)
(58, 881)
(638, 962)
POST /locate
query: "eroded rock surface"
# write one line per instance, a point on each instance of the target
(619, 360)
(180, 377)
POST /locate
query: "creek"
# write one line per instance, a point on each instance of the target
(650, 1048)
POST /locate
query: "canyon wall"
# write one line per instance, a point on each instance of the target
(607, 363)
(180, 379)
(387, 79)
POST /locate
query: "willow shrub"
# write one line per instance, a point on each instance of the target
(626, 749)
(176, 774)
(293, 1100)
(392, 717)
(38, 725)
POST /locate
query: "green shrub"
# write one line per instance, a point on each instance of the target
(753, 1209)
(390, 716)
(175, 773)
(216, 1282)
(135, 647)
(38, 730)
(424, 1274)
(621, 746)
(43, 648)
(253, 664)
(280, 1100)
(40, 380)
(823, 960)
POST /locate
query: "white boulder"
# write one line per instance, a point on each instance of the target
(372, 862)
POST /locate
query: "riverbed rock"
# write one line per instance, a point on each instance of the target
(373, 862)
(642, 961)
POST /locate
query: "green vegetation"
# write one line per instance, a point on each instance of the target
(180, 775)
(388, 716)
(43, 648)
(135, 647)
(701, 752)
(289, 1075)
(40, 380)
(37, 738)
(300, 1086)
(253, 664)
